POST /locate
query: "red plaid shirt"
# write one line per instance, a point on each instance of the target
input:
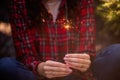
(33, 47)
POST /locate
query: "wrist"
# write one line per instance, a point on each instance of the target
(40, 69)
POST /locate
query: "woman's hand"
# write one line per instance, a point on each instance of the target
(52, 69)
(78, 61)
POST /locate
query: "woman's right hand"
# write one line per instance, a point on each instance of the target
(52, 69)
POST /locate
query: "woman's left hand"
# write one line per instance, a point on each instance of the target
(78, 61)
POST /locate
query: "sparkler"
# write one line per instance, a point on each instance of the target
(67, 27)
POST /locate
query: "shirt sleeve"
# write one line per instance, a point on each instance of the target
(88, 27)
(23, 35)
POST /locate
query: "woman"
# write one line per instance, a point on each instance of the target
(54, 38)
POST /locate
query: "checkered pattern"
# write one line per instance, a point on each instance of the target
(34, 46)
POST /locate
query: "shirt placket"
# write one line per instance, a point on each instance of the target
(53, 38)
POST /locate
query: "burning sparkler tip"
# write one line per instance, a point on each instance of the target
(67, 26)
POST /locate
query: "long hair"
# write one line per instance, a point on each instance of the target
(38, 12)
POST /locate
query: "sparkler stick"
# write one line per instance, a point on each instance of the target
(67, 27)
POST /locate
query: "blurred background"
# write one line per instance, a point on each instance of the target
(107, 15)
(6, 41)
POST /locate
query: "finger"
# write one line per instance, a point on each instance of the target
(50, 76)
(56, 73)
(76, 60)
(57, 69)
(76, 55)
(81, 67)
(78, 65)
(54, 76)
(55, 64)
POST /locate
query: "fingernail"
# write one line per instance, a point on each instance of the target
(68, 66)
(70, 70)
(65, 58)
(66, 55)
